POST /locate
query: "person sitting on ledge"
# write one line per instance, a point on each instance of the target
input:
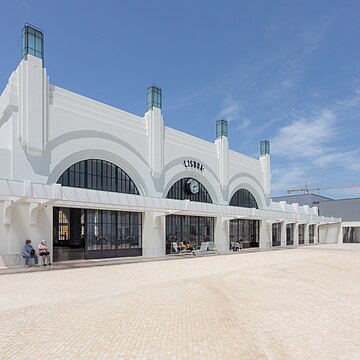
(44, 252)
(28, 252)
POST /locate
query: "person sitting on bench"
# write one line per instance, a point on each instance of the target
(28, 252)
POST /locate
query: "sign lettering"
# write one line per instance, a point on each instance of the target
(192, 164)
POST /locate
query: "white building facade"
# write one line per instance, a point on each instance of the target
(102, 182)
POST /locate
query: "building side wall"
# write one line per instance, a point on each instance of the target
(347, 209)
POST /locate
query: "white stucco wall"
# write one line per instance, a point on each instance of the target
(330, 234)
(50, 128)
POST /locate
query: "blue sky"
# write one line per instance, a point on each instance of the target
(283, 70)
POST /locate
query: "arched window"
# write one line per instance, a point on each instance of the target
(243, 198)
(191, 189)
(98, 175)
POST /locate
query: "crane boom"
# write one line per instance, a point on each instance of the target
(306, 189)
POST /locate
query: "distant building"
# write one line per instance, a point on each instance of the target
(346, 209)
(302, 199)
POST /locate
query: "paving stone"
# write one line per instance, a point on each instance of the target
(286, 304)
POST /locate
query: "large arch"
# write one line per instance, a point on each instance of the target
(247, 182)
(66, 162)
(243, 198)
(172, 176)
(178, 191)
(98, 174)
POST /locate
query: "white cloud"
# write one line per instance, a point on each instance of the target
(305, 138)
(313, 143)
(288, 83)
(348, 159)
(351, 101)
(232, 111)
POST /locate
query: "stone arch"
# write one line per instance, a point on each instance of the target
(98, 174)
(66, 162)
(244, 181)
(178, 191)
(244, 198)
(197, 176)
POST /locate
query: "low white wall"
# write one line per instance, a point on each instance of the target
(330, 234)
(13, 236)
(357, 235)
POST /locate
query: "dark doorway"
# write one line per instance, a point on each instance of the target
(290, 234)
(95, 234)
(245, 231)
(276, 234)
(188, 229)
(68, 234)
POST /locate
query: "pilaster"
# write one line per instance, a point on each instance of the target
(306, 234)
(222, 144)
(265, 234)
(221, 234)
(296, 233)
(283, 233)
(265, 163)
(33, 101)
(155, 123)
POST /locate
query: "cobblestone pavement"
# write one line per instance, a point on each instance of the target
(302, 303)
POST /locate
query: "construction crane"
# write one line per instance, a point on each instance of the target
(306, 188)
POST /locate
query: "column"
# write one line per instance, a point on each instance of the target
(153, 234)
(33, 93)
(296, 233)
(155, 124)
(316, 234)
(265, 163)
(223, 152)
(283, 233)
(221, 234)
(265, 234)
(306, 234)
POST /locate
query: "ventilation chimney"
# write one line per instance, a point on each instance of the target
(221, 128)
(32, 42)
(154, 97)
(264, 147)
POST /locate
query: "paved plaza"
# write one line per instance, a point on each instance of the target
(299, 303)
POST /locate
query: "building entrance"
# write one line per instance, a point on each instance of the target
(68, 234)
(290, 234)
(276, 234)
(94, 234)
(192, 230)
(245, 231)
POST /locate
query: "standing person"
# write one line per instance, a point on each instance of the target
(28, 252)
(44, 252)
